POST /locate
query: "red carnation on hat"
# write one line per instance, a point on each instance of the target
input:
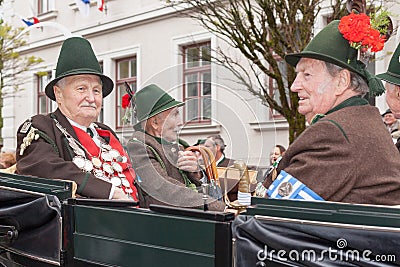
(374, 40)
(357, 29)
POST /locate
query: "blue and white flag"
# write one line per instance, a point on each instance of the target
(286, 186)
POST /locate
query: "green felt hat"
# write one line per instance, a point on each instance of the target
(392, 75)
(152, 100)
(200, 142)
(77, 57)
(329, 45)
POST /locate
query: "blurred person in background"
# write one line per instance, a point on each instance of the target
(217, 145)
(277, 151)
(7, 159)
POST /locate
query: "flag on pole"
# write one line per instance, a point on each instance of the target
(31, 22)
(83, 6)
(100, 5)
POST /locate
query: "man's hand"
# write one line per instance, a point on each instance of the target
(187, 161)
(120, 194)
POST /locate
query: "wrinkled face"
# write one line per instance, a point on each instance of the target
(275, 154)
(314, 87)
(171, 122)
(79, 97)
(393, 98)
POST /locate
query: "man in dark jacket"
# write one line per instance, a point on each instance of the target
(167, 174)
(68, 144)
(217, 145)
(346, 154)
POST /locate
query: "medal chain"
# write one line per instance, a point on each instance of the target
(101, 170)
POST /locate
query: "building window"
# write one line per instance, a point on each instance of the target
(126, 72)
(44, 6)
(197, 82)
(43, 102)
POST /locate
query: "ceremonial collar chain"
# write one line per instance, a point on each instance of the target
(106, 166)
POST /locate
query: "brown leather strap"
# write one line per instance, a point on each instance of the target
(209, 162)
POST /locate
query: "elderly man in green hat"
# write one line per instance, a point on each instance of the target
(167, 174)
(69, 144)
(392, 85)
(346, 154)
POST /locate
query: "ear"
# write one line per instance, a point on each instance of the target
(343, 81)
(154, 122)
(57, 93)
(397, 91)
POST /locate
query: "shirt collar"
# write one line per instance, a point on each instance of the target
(92, 126)
(220, 159)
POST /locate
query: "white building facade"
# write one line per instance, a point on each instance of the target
(142, 42)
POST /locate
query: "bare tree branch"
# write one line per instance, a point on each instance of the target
(263, 31)
(12, 64)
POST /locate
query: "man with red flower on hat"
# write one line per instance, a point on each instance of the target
(346, 154)
(69, 144)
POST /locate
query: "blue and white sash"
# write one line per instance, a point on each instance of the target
(286, 186)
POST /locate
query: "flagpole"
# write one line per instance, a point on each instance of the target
(64, 30)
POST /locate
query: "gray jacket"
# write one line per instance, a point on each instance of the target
(159, 179)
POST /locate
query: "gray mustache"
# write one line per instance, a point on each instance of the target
(89, 105)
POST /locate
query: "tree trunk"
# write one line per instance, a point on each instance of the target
(296, 126)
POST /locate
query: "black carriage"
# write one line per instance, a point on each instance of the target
(42, 225)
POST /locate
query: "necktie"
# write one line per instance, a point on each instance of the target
(90, 132)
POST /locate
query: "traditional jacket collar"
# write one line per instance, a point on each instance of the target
(64, 122)
(352, 101)
(220, 159)
(160, 140)
(165, 142)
